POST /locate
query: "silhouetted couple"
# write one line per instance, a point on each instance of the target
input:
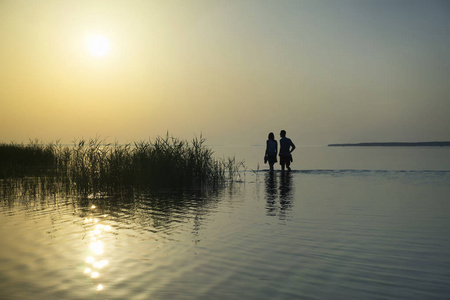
(286, 148)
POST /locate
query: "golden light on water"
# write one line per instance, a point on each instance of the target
(100, 264)
(97, 247)
(95, 262)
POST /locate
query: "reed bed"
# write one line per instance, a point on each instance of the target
(18, 160)
(94, 167)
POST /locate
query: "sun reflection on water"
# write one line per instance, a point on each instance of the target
(95, 262)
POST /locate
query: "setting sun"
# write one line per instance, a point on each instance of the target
(98, 45)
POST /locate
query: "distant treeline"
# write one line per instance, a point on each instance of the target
(394, 144)
(93, 167)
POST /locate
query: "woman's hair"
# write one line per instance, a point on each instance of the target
(271, 136)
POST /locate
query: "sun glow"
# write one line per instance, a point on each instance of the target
(98, 45)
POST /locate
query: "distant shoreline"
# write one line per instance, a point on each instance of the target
(394, 144)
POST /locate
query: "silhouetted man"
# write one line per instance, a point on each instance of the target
(286, 148)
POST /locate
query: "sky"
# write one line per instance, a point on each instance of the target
(231, 71)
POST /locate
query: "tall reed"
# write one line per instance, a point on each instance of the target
(18, 160)
(94, 167)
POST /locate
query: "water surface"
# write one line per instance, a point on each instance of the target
(315, 233)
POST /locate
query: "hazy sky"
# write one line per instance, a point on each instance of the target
(325, 71)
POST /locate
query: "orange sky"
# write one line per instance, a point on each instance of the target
(326, 71)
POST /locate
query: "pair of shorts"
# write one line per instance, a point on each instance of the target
(285, 159)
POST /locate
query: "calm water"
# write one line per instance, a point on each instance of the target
(346, 224)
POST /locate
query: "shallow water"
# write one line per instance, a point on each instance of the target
(309, 234)
(348, 158)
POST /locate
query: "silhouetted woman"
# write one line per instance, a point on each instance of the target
(271, 151)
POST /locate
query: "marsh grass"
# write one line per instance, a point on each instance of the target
(94, 167)
(17, 160)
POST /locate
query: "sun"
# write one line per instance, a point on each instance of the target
(98, 45)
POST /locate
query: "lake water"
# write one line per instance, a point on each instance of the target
(347, 223)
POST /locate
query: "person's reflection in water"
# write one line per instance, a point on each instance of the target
(278, 186)
(271, 194)
(286, 194)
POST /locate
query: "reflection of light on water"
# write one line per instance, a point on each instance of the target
(97, 247)
(95, 264)
(100, 264)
